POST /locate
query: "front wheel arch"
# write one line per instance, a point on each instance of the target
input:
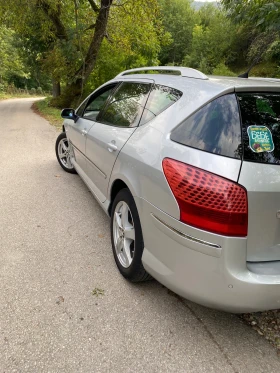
(63, 155)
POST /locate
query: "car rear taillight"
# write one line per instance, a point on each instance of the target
(208, 201)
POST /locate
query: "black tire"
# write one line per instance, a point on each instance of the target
(135, 272)
(63, 138)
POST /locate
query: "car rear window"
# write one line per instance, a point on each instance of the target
(260, 114)
(215, 128)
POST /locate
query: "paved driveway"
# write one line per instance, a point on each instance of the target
(55, 250)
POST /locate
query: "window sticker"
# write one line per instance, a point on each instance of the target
(260, 139)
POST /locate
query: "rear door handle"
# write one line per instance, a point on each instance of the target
(84, 132)
(112, 147)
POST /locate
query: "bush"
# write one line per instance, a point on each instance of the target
(2, 87)
(33, 91)
(39, 91)
(222, 70)
(266, 70)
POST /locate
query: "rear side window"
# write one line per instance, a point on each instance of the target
(160, 98)
(260, 114)
(215, 128)
(126, 105)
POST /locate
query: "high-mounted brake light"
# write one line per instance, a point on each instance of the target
(208, 201)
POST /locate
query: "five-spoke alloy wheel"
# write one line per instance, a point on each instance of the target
(124, 234)
(127, 239)
(63, 154)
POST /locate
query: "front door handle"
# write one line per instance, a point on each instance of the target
(84, 132)
(112, 147)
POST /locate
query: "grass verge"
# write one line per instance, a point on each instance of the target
(51, 114)
(5, 96)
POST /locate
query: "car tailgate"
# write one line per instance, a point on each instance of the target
(262, 182)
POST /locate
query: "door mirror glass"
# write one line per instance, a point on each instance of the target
(68, 114)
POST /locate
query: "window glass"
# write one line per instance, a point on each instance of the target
(97, 101)
(125, 107)
(215, 128)
(260, 114)
(160, 98)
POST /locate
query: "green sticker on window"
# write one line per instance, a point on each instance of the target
(260, 139)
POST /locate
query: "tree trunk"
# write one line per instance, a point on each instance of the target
(56, 89)
(73, 92)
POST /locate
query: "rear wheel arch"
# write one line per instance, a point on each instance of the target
(116, 187)
(127, 238)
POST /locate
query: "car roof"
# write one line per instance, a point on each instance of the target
(199, 91)
(187, 78)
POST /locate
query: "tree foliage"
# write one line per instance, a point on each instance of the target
(212, 39)
(71, 34)
(79, 44)
(261, 20)
(11, 63)
(263, 14)
(179, 19)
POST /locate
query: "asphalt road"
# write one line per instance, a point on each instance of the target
(55, 251)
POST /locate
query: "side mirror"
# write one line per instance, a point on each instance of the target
(68, 114)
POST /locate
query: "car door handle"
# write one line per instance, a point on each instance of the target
(84, 132)
(112, 147)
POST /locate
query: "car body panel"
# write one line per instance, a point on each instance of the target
(76, 132)
(103, 144)
(262, 182)
(221, 282)
(229, 273)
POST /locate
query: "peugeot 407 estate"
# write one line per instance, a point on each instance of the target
(187, 167)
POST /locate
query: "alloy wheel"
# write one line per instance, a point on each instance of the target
(123, 234)
(64, 153)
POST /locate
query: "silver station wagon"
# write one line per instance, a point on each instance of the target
(188, 169)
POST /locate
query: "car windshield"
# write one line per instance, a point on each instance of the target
(260, 114)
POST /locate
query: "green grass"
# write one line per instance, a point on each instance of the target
(5, 96)
(51, 114)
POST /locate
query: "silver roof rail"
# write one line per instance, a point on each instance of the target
(184, 71)
(275, 80)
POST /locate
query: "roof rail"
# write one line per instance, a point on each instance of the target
(275, 80)
(184, 71)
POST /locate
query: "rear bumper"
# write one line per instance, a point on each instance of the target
(203, 267)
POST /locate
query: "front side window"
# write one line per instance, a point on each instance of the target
(125, 107)
(160, 98)
(260, 114)
(97, 101)
(215, 128)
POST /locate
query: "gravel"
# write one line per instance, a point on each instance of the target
(266, 324)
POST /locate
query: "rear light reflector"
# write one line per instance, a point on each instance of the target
(208, 201)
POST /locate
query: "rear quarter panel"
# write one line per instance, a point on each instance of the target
(139, 164)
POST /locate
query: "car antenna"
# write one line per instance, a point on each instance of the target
(244, 75)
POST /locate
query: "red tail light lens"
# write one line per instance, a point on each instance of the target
(208, 201)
